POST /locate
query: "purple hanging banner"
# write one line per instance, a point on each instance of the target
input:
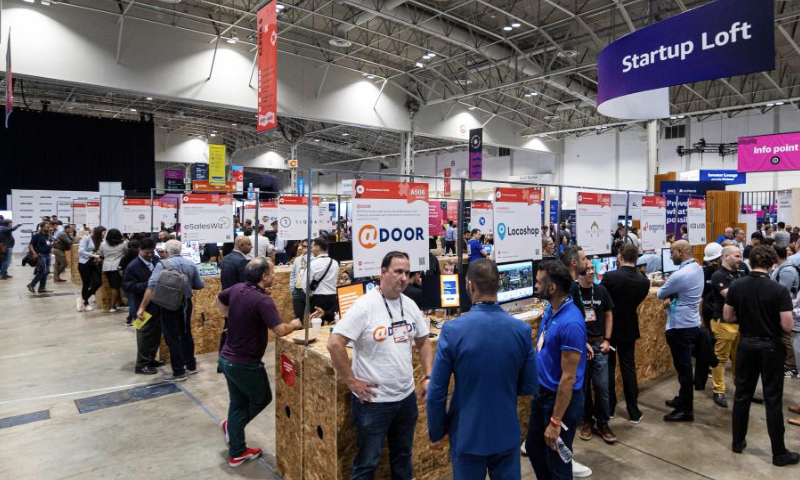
(476, 153)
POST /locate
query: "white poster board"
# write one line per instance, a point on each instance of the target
(654, 223)
(751, 220)
(389, 216)
(164, 212)
(517, 224)
(92, 214)
(293, 217)
(136, 214)
(593, 217)
(207, 218)
(784, 201)
(696, 221)
(268, 212)
(79, 213)
(29, 206)
(481, 217)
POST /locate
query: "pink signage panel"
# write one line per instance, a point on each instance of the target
(769, 153)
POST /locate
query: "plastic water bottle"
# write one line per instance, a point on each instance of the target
(564, 451)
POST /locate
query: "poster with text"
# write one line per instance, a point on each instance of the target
(269, 213)
(593, 217)
(481, 217)
(696, 221)
(267, 47)
(293, 218)
(92, 214)
(207, 218)
(164, 211)
(216, 165)
(436, 214)
(784, 201)
(136, 214)
(517, 223)
(79, 214)
(389, 216)
(654, 223)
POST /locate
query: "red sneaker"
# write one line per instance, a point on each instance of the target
(249, 454)
(225, 432)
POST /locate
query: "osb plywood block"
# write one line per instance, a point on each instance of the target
(282, 294)
(74, 274)
(289, 450)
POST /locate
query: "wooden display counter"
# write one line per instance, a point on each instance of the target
(315, 437)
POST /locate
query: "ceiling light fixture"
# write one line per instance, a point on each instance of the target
(778, 103)
(370, 76)
(516, 24)
(316, 139)
(232, 39)
(673, 117)
(420, 65)
(345, 134)
(280, 6)
(507, 28)
(681, 116)
(46, 3)
(133, 109)
(472, 108)
(149, 99)
(234, 125)
(431, 54)
(364, 74)
(567, 53)
(213, 131)
(213, 134)
(770, 104)
(28, 1)
(340, 42)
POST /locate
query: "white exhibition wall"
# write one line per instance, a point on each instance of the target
(29, 206)
(79, 46)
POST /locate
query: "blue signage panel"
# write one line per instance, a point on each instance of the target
(678, 194)
(199, 171)
(716, 40)
(731, 177)
(301, 186)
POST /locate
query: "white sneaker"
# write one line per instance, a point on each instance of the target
(79, 304)
(522, 449)
(580, 470)
(88, 308)
(112, 310)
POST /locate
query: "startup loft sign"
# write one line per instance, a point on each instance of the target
(717, 40)
(739, 31)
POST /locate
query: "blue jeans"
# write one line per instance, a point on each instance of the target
(501, 466)
(41, 277)
(249, 392)
(546, 462)
(374, 422)
(6, 262)
(596, 379)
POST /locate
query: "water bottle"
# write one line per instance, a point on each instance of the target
(564, 451)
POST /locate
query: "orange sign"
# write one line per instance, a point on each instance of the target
(348, 295)
(203, 186)
(291, 163)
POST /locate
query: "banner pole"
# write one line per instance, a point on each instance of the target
(307, 311)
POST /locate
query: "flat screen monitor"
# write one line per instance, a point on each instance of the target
(516, 281)
(191, 250)
(449, 291)
(667, 266)
(602, 266)
(341, 251)
(208, 268)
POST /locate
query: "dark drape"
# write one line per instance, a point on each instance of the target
(57, 151)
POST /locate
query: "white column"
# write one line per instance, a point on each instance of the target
(652, 153)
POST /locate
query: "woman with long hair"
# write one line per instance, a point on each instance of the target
(89, 267)
(111, 251)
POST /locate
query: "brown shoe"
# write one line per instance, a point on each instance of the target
(31, 289)
(44, 290)
(586, 432)
(607, 435)
(795, 410)
(59, 280)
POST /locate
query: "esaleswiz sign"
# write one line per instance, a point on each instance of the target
(717, 40)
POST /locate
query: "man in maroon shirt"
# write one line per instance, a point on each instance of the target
(251, 314)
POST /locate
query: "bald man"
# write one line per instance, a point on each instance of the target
(234, 263)
(681, 295)
(728, 235)
(725, 333)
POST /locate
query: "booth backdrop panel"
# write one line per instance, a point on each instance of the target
(56, 151)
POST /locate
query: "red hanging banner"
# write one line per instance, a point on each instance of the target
(267, 41)
(447, 182)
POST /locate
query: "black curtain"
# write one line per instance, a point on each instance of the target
(57, 151)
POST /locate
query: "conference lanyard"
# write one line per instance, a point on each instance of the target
(400, 329)
(589, 314)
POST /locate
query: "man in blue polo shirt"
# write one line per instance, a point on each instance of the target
(476, 250)
(561, 363)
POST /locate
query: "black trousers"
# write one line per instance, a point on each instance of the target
(449, 246)
(328, 304)
(148, 339)
(177, 325)
(299, 303)
(764, 358)
(630, 385)
(681, 343)
(90, 280)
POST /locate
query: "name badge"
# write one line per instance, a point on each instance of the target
(400, 331)
(590, 315)
(540, 343)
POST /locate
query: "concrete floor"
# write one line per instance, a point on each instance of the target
(50, 355)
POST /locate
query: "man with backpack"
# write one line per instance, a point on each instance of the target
(170, 289)
(788, 275)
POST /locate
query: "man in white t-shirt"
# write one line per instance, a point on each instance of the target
(382, 325)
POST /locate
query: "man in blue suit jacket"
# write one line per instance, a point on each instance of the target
(491, 355)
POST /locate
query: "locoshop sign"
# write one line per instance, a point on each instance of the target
(370, 236)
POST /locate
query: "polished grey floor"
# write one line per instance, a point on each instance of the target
(51, 355)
